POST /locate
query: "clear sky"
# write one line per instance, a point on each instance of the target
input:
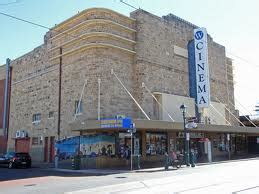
(232, 23)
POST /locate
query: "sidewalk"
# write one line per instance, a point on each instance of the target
(148, 170)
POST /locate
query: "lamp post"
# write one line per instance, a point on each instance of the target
(186, 136)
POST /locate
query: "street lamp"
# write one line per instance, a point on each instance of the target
(186, 136)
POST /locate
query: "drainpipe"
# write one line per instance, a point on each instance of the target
(99, 99)
(59, 91)
(6, 97)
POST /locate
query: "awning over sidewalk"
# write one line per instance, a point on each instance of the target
(155, 125)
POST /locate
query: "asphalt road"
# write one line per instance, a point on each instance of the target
(234, 177)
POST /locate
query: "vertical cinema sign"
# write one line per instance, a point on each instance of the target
(202, 67)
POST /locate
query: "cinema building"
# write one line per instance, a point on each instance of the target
(99, 66)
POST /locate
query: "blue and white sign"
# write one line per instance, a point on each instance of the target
(124, 123)
(202, 67)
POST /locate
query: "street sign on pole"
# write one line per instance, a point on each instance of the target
(188, 136)
(127, 123)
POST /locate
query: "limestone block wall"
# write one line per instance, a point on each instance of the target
(143, 48)
(163, 69)
(93, 43)
(155, 63)
(34, 90)
(231, 94)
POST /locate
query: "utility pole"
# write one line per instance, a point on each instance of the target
(59, 91)
(6, 97)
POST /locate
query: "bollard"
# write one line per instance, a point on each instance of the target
(166, 161)
(192, 159)
(73, 163)
(138, 161)
(56, 161)
(77, 162)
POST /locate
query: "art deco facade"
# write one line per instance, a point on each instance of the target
(47, 83)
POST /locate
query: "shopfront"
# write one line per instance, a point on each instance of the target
(156, 143)
(112, 147)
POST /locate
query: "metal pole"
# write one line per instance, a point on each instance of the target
(80, 100)
(79, 144)
(186, 141)
(131, 167)
(163, 108)
(59, 92)
(99, 98)
(113, 73)
(6, 94)
(229, 154)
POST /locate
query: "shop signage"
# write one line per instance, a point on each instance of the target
(124, 123)
(202, 67)
(192, 135)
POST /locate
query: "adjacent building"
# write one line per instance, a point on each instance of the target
(81, 81)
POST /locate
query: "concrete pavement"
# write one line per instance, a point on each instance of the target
(238, 176)
(233, 177)
(115, 171)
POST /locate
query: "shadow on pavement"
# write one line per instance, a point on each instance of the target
(35, 172)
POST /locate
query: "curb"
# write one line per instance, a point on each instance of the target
(89, 171)
(147, 170)
(227, 161)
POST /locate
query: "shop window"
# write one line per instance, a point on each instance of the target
(90, 145)
(36, 118)
(78, 107)
(156, 143)
(124, 146)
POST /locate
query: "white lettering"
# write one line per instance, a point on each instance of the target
(199, 45)
(202, 68)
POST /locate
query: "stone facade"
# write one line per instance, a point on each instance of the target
(140, 48)
(163, 70)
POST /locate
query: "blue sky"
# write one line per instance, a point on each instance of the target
(232, 23)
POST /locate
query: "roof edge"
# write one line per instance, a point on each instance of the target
(87, 10)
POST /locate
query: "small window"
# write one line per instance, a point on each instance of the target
(78, 107)
(51, 114)
(36, 118)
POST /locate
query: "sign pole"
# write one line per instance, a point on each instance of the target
(131, 167)
(228, 138)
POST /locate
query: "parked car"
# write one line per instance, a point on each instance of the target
(13, 159)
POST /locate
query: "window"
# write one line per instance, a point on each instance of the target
(156, 143)
(51, 114)
(78, 107)
(36, 118)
